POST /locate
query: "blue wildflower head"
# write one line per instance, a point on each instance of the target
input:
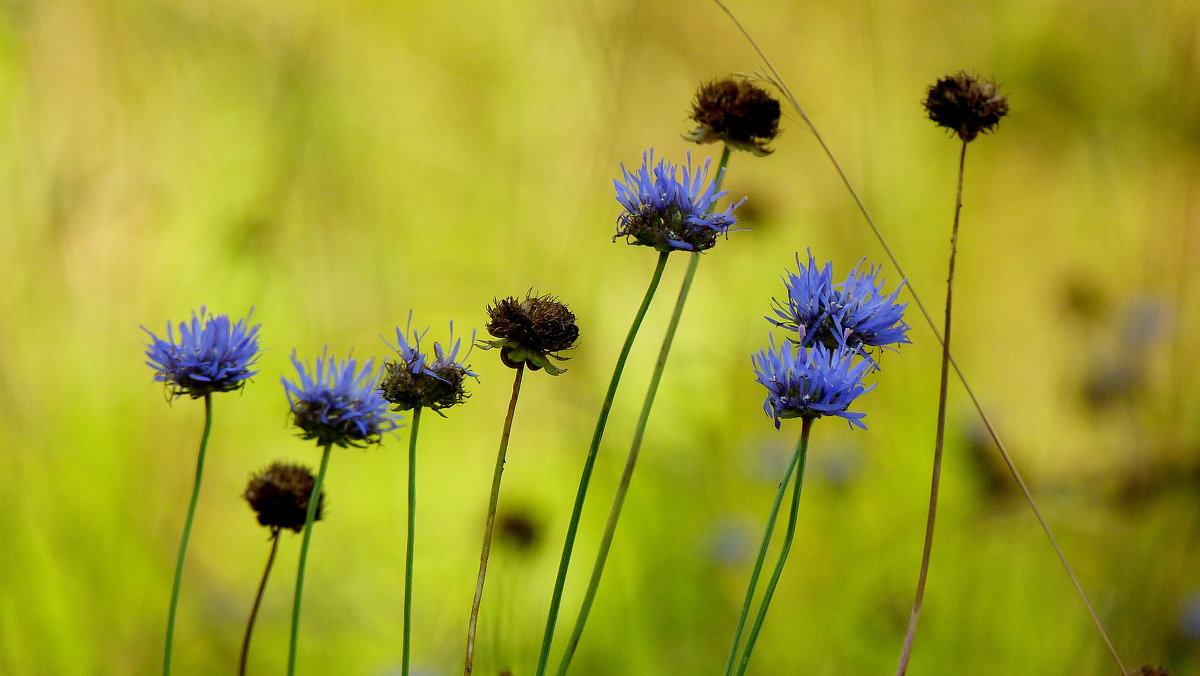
(211, 354)
(337, 403)
(811, 382)
(531, 331)
(413, 379)
(670, 213)
(856, 314)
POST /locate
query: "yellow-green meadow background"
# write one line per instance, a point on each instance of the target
(335, 164)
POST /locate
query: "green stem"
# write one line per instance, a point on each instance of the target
(798, 461)
(614, 513)
(939, 436)
(313, 500)
(491, 519)
(760, 559)
(262, 585)
(412, 521)
(187, 534)
(586, 477)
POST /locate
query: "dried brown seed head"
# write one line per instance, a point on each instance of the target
(966, 105)
(737, 112)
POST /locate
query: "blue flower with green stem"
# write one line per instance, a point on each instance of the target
(210, 354)
(413, 381)
(811, 382)
(806, 383)
(335, 403)
(669, 209)
(856, 314)
(672, 213)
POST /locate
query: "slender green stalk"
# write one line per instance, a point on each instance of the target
(800, 460)
(262, 585)
(940, 434)
(313, 500)
(412, 521)
(588, 463)
(491, 519)
(797, 460)
(187, 534)
(777, 79)
(614, 513)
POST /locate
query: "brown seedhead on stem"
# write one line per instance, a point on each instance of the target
(531, 330)
(736, 112)
(280, 495)
(966, 104)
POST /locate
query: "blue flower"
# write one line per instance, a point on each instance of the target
(669, 213)
(413, 380)
(811, 382)
(854, 314)
(337, 403)
(212, 354)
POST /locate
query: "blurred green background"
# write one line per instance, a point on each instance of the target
(336, 164)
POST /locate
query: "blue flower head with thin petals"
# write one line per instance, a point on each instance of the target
(337, 403)
(211, 354)
(670, 213)
(805, 382)
(414, 380)
(856, 314)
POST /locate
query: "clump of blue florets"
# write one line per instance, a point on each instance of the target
(337, 403)
(819, 370)
(669, 212)
(413, 379)
(856, 314)
(211, 354)
(811, 382)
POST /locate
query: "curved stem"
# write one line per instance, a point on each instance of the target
(777, 79)
(940, 435)
(313, 500)
(187, 534)
(262, 586)
(798, 457)
(614, 513)
(412, 521)
(491, 518)
(586, 476)
(802, 453)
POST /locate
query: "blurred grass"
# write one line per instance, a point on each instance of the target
(336, 164)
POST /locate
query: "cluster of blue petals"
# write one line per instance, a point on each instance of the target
(671, 213)
(211, 354)
(811, 382)
(337, 403)
(856, 314)
(418, 363)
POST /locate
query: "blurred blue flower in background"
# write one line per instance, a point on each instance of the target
(212, 354)
(670, 213)
(337, 403)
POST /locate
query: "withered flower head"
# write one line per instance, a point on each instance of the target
(280, 495)
(737, 112)
(531, 330)
(966, 105)
(415, 380)
(1150, 670)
